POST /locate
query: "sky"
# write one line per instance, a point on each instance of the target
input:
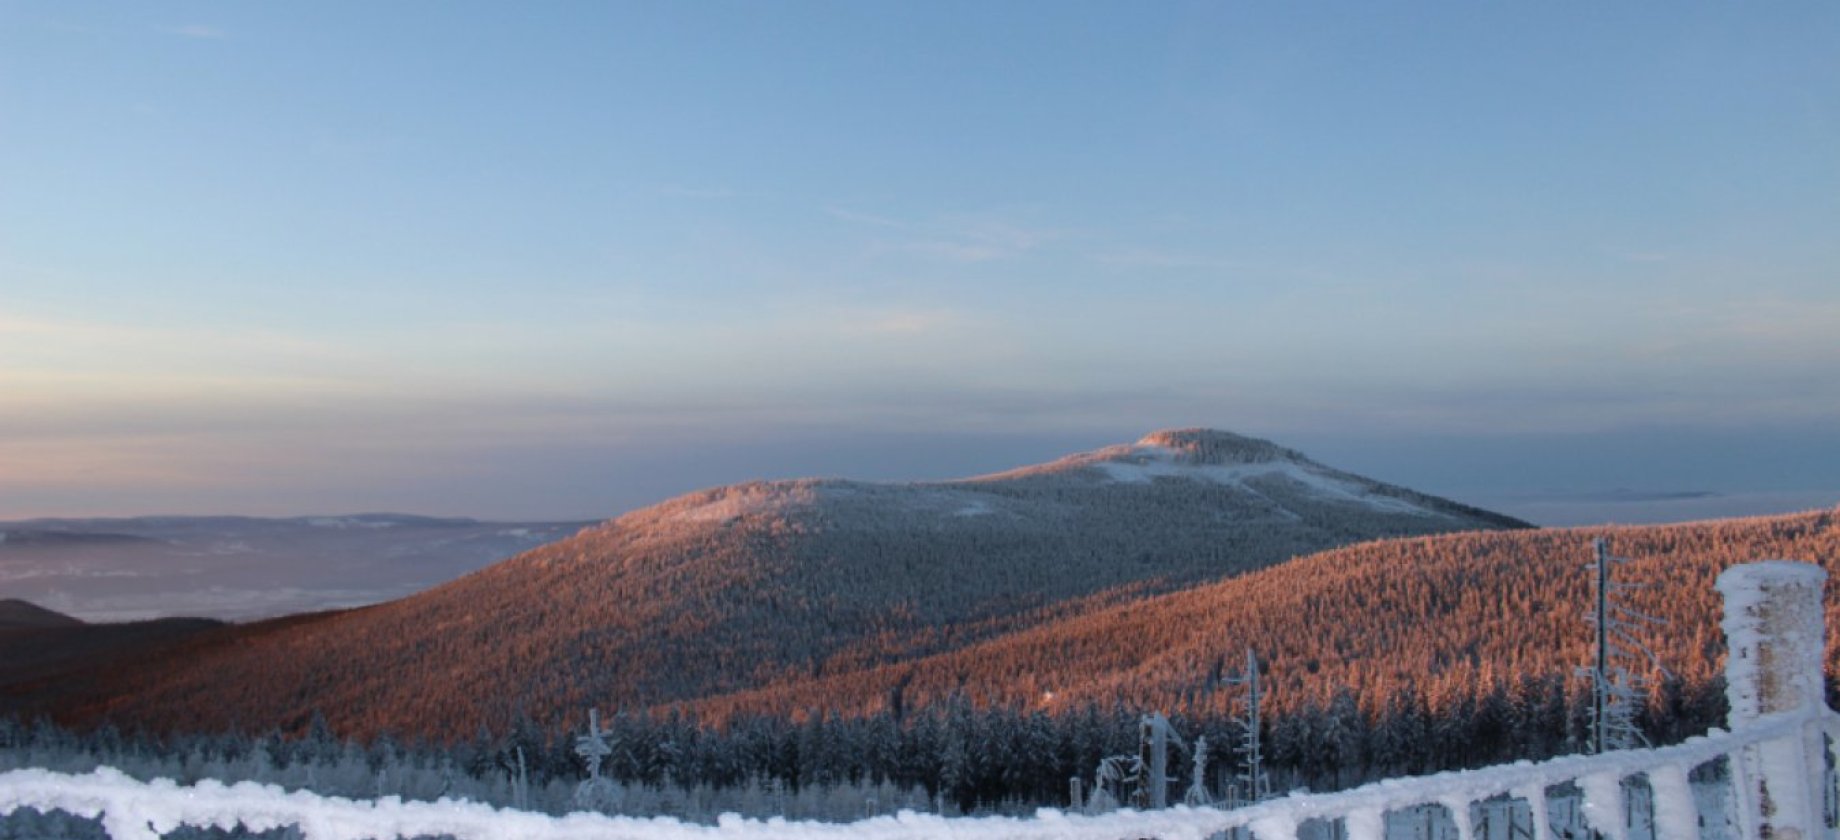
(562, 260)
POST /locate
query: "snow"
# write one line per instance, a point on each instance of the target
(344, 522)
(1366, 824)
(1145, 464)
(975, 507)
(135, 810)
(1747, 590)
(727, 504)
(1675, 809)
(1535, 797)
(1603, 804)
(1772, 623)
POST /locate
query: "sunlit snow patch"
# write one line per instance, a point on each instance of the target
(1146, 463)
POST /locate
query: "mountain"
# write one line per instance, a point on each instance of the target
(758, 584)
(233, 567)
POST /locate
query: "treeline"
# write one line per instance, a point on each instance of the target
(954, 757)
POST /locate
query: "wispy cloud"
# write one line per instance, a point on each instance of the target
(197, 31)
(965, 238)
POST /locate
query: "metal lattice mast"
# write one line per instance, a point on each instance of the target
(1258, 787)
(1615, 692)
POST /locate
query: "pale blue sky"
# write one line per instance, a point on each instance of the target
(564, 259)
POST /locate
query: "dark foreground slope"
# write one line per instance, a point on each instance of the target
(39, 648)
(1445, 620)
(755, 585)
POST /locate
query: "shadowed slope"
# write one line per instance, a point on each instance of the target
(745, 586)
(35, 651)
(16, 614)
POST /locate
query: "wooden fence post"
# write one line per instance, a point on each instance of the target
(1775, 638)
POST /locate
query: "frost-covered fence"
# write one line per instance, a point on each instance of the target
(1776, 757)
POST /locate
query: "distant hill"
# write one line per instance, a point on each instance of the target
(37, 645)
(770, 583)
(18, 614)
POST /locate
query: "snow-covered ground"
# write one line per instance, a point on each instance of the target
(129, 809)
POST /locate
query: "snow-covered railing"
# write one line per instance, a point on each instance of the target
(136, 810)
(1777, 756)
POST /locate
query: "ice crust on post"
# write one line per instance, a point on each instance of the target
(1775, 637)
(1775, 643)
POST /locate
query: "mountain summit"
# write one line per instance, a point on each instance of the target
(1211, 446)
(1272, 480)
(742, 587)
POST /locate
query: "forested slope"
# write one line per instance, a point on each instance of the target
(754, 585)
(1445, 619)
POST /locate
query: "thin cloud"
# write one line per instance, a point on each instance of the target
(954, 238)
(196, 31)
(1152, 258)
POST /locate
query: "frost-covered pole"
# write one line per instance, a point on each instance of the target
(1600, 675)
(1197, 794)
(1616, 694)
(1153, 752)
(1251, 752)
(1775, 635)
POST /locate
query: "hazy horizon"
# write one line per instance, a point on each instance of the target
(565, 261)
(1575, 480)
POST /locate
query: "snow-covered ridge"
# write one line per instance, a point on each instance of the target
(1259, 467)
(779, 498)
(344, 522)
(1212, 446)
(1146, 462)
(1183, 446)
(734, 501)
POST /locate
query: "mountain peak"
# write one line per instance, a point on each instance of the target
(1213, 446)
